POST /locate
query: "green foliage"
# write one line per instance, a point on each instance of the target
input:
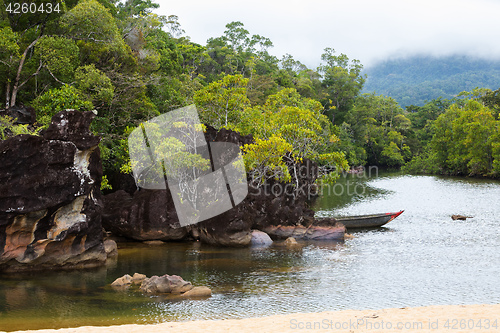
(221, 103)
(131, 8)
(94, 84)
(8, 128)
(264, 159)
(465, 142)
(9, 49)
(90, 21)
(342, 81)
(59, 55)
(287, 118)
(59, 99)
(377, 129)
(105, 185)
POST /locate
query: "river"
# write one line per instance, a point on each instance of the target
(421, 258)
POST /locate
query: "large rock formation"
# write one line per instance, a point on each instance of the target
(50, 201)
(146, 215)
(150, 214)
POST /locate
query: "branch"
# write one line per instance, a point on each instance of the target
(55, 78)
(32, 75)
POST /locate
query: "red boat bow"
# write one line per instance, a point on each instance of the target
(394, 215)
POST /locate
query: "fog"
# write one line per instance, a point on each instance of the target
(366, 30)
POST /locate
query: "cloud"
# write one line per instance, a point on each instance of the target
(362, 29)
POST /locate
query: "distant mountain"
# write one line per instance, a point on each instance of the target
(415, 80)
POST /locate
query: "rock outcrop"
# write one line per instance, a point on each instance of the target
(50, 201)
(146, 215)
(151, 215)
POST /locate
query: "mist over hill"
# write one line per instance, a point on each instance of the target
(415, 80)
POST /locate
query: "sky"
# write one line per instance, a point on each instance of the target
(367, 30)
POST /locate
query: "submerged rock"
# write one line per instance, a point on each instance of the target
(50, 199)
(200, 291)
(154, 242)
(290, 241)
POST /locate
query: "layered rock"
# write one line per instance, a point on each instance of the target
(50, 201)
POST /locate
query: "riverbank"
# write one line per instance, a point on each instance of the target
(439, 318)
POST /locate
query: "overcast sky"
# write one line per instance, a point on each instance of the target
(368, 30)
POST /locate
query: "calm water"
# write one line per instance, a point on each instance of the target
(421, 258)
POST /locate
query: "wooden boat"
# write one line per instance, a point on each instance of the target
(367, 221)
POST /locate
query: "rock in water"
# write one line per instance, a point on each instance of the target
(201, 291)
(50, 199)
(111, 248)
(123, 281)
(138, 278)
(461, 217)
(260, 238)
(290, 241)
(165, 284)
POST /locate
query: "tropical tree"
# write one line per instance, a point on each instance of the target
(221, 103)
(342, 81)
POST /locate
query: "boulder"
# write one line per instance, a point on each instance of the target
(22, 114)
(138, 278)
(260, 238)
(111, 248)
(200, 291)
(123, 281)
(290, 241)
(50, 199)
(165, 284)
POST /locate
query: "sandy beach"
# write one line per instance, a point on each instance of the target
(448, 318)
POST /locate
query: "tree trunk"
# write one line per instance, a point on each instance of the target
(7, 95)
(18, 85)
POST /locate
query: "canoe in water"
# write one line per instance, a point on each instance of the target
(367, 221)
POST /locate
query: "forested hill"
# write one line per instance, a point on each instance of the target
(414, 80)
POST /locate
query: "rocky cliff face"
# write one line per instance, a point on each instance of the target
(151, 215)
(50, 201)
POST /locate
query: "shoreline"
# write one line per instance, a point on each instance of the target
(435, 318)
